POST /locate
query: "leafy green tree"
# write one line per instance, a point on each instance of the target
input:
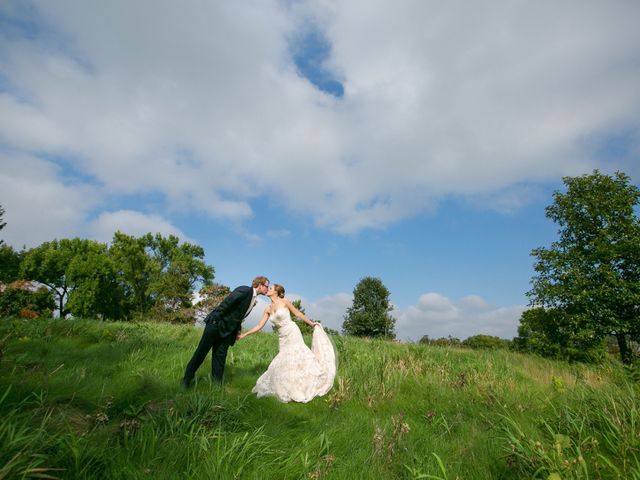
(159, 275)
(557, 334)
(178, 269)
(48, 265)
(96, 291)
(9, 264)
(369, 314)
(132, 276)
(80, 275)
(134, 270)
(592, 273)
(9, 258)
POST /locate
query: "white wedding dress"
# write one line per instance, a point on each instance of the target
(297, 373)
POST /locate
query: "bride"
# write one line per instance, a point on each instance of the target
(297, 373)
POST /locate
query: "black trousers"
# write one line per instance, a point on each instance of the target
(210, 340)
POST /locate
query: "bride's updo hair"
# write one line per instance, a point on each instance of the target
(279, 290)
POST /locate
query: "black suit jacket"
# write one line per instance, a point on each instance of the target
(227, 317)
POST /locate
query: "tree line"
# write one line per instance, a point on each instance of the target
(585, 292)
(132, 277)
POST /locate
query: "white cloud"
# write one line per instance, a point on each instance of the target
(132, 223)
(27, 128)
(507, 200)
(279, 233)
(438, 316)
(39, 203)
(204, 106)
(330, 310)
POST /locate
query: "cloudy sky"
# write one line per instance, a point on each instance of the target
(318, 142)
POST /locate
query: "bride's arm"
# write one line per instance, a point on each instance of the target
(258, 327)
(299, 314)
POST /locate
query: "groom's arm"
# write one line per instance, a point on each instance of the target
(231, 302)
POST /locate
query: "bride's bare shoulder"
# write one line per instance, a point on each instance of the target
(282, 303)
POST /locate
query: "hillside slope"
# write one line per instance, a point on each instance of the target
(87, 399)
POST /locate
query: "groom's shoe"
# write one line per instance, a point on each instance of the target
(186, 384)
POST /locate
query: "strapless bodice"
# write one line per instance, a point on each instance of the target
(280, 317)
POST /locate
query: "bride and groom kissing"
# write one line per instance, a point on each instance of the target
(297, 373)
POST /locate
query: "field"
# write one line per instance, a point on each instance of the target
(88, 399)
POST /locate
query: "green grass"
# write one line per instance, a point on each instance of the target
(86, 399)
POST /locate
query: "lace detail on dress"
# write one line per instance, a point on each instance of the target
(298, 373)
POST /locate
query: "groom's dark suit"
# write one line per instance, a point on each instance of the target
(222, 326)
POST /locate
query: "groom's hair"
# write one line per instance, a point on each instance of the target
(259, 281)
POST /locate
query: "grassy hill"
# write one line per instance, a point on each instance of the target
(86, 399)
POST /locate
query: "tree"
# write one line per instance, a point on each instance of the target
(159, 275)
(592, 273)
(80, 274)
(2, 224)
(369, 314)
(9, 264)
(178, 269)
(132, 276)
(556, 334)
(96, 292)
(9, 258)
(134, 271)
(48, 264)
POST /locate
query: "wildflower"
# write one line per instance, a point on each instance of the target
(102, 417)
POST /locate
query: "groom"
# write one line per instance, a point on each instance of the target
(222, 326)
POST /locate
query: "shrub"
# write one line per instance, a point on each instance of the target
(486, 342)
(18, 299)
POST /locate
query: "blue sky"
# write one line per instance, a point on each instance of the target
(320, 142)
